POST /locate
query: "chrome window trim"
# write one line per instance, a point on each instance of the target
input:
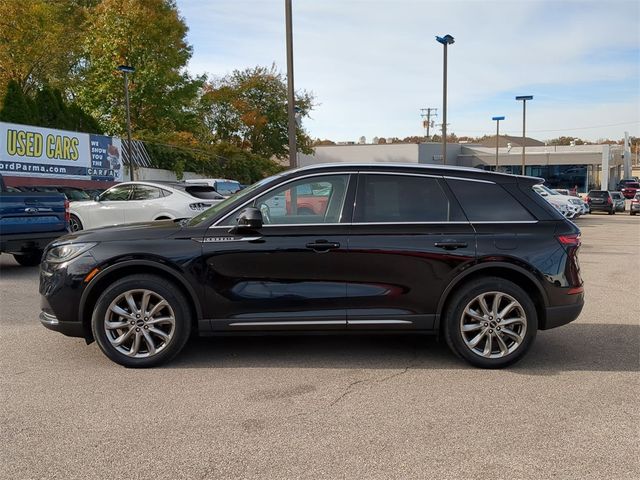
(448, 177)
(311, 175)
(404, 174)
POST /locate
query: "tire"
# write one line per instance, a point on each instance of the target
(611, 211)
(30, 259)
(175, 332)
(74, 223)
(632, 213)
(500, 354)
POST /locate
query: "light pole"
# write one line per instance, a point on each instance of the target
(291, 107)
(497, 119)
(126, 69)
(445, 41)
(524, 99)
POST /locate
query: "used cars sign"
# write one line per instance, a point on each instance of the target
(46, 152)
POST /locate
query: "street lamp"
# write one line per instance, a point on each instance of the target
(445, 41)
(291, 107)
(497, 119)
(524, 99)
(126, 69)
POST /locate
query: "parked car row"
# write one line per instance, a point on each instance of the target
(73, 194)
(611, 202)
(571, 207)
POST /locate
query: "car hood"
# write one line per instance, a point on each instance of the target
(133, 231)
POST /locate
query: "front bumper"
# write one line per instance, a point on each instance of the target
(70, 329)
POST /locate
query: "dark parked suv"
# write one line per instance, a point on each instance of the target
(474, 256)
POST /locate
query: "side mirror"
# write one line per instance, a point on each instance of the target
(250, 218)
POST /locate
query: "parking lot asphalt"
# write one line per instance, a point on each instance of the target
(333, 407)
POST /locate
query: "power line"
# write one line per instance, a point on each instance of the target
(565, 129)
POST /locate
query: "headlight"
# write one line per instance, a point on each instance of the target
(64, 253)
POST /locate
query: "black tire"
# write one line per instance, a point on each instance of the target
(462, 298)
(611, 211)
(165, 289)
(75, 224)
(632, 213)
(29, 259)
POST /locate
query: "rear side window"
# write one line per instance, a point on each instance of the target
(204, 192)
(403, 198)
(145, 192)
(488, 202)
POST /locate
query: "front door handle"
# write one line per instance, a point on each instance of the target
(323, 245)
(451, 245)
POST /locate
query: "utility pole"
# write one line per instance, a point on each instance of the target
(445, 41)
(126, 70)
(290, 89)
(427, 113)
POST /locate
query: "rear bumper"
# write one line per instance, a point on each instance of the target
(70, 329)
(30, 241)
(561, 315)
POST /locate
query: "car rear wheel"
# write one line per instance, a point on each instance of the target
(491, 322)
(141, 321)
(74, 223)
(29, 259)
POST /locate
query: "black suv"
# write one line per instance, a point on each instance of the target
(474, 256)
(601, 201)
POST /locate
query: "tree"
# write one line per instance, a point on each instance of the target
(38, 41)
(248, 109)
(150, 36)
(17, 107)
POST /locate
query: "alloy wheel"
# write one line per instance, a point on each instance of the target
(139, 323)
(74, 224)
(493, 325)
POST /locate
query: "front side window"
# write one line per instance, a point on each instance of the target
(488, 202)
(119, 193)
(310, 200)
(402, 198)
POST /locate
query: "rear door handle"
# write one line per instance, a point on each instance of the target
(451, 245)
(323, 245)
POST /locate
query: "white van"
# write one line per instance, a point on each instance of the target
(223, 186)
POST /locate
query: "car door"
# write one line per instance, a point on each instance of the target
(144, 204)
(287, 275)
(408, 240)
(109, 210)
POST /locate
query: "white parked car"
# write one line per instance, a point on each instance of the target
(570, 207)
(223, 186)
(132, 202)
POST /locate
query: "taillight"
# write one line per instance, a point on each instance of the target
(67, 214)
(609, 202)
(199, 206)
(588, 199)
(572, 240)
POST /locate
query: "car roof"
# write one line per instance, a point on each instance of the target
(444, 170)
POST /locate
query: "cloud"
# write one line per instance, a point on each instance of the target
(373, 64)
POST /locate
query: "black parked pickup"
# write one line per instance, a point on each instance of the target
(474, 256)
(29, 221)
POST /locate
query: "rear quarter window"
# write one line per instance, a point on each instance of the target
(203, 192)
(488, 202)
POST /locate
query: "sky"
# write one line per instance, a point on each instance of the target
(372, 65)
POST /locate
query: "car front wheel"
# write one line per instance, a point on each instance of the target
(491, 322)
(141, 321)
(29, 259)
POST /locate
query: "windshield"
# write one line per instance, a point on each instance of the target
(542, 189)
(632, 185)
(213, 211)
(76, 194)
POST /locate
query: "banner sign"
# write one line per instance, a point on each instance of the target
(46, 152)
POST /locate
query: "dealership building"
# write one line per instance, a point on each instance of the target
(583, 166)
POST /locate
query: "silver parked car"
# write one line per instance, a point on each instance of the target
(618, 201)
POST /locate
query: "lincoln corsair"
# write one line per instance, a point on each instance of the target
(475, 257)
